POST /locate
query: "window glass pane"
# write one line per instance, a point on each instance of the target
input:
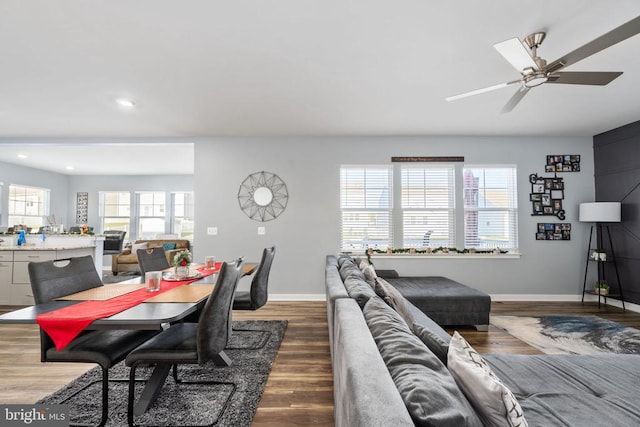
(27, 206)
(365, 229)
(428, 229)
(428, 202)
(490, 202)
(149, 227)
(366, 202)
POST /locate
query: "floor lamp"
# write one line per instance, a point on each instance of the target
(601, 213)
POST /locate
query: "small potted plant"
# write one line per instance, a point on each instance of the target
(601, 287)
(181, 262)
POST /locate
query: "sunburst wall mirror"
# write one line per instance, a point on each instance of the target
(263, 196)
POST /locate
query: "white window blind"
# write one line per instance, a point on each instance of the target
(490, 207)
(366, 204)
(428, 206)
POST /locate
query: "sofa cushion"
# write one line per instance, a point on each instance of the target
(359, 290)
(348, 268)
(391, 296)
(433, 341)
(429, 391)
(495, 403)
(136, 246)
(169, 246)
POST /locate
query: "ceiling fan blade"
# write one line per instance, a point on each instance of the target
(515, 99)
(595, 78)
(518, 56)
(606, 40)
(479, 91)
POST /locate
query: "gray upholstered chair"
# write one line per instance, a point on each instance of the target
(257, 295)
(193, 343)
(152, 259)
(113, 241)
(53, 279)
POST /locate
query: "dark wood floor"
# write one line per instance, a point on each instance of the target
(299, 390)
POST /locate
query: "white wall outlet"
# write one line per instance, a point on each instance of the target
(212, 231)
(261, 231)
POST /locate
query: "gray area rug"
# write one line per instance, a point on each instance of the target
(186, 404)
(571, 334)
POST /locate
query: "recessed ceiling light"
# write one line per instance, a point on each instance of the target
(22, 156)
(124, 102)
(69, 168)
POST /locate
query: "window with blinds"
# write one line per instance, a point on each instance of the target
(366, 203)
(490, 207)
(428, 206)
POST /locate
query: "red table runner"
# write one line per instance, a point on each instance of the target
(65, 324)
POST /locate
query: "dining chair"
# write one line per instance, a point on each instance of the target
(53, 279)
(193, 343)
(152, 259)
(257, 295)
(113, 241)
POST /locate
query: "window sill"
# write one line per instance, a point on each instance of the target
(509, 255)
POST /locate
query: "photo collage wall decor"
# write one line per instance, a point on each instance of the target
(553, 231)
(546, 195)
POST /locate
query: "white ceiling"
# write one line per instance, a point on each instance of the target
(301, 67)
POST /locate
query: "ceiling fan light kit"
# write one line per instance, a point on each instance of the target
(535, 71)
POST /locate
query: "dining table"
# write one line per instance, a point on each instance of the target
(154, 313)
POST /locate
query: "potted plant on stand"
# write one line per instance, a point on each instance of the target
(601, 287)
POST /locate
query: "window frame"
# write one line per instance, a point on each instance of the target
(31, 221)
(363, 204)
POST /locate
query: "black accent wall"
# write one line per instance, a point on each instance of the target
(617, 179)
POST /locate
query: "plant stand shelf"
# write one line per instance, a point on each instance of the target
(600, 257)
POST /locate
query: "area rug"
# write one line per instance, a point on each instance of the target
(186, 404)
(571, 334)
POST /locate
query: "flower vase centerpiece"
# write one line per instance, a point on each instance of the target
(181, 262)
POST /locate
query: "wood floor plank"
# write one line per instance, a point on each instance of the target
(299, 390)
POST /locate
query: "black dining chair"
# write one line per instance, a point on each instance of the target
(152, 259)
(193, 343)
(53, 279)
(257, 295)
(113, 241)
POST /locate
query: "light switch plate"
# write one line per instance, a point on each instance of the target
(212, 231)
(261, 231)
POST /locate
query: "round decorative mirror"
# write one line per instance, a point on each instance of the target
(263, 196)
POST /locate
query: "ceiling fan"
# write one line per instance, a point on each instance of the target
(535, 71)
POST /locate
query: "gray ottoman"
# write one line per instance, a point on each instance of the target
(445, 301)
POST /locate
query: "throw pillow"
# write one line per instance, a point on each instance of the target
(437, 345)
(495, 403)
(136, 246)
(369, 273)
(428, 390)
(169, 246)
(394, 298)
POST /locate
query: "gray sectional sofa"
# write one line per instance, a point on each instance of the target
(386, 375)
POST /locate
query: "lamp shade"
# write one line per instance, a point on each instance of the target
(600, 212)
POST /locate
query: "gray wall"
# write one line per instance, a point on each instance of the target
(617, 179)
(310, 226)
(20, 175)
